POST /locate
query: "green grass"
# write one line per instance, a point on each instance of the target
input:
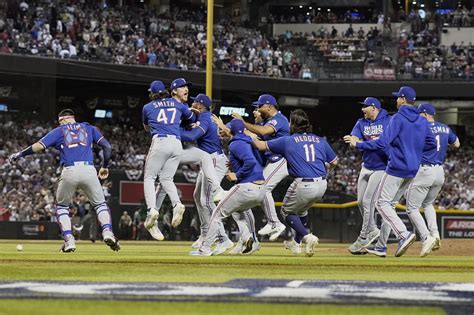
(50, 307)
(169, 261)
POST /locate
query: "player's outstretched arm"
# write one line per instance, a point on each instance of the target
(259, 130)
(35, 148)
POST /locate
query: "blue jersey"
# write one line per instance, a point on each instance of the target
(304, 153)
(205, 134)
(164, 116)
(366, 130)
(74, 141)
(282, 128)
(444, 136)
(405, 138)
(243, 159)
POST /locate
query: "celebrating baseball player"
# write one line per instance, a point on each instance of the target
(370, 127)
(74, 141)
(430, 179)
(162, 117)
(404, 139)
(273, 125)
(306, 155)
(209, 148)
(247, 193)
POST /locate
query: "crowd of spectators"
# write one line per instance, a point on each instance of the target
(326, 15)
(421, 57)
(28, 186)
(136, 35)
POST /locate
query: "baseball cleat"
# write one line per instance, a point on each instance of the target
(198, 243)
(178, 211)
(222, 247)
(404, 244)
(238, 248)
(110, 240)
(311, 242)
(357, 248)
(151, 218)
(156, 233)
(203, 251)
(247, 245)
(377, 251)
(277, 230)
(437, 245)
(69, 244)
(293, 246)
(78, 227)
(255, 247)
(427, 246)
(373, 235)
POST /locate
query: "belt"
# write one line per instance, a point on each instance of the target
(165, 136)
(258, 182)
(315, 179)
(430, 165)
(78, 163)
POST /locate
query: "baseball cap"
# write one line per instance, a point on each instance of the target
(427, 108)
(179, 82)
(156, 87)
(265, 99)
(371, 101)
(203, 99)
(236, 126)
(406, 92)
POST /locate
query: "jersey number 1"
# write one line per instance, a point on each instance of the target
(163, 118)
(438, 143)
(310, 152)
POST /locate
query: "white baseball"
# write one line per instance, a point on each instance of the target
(19, 247)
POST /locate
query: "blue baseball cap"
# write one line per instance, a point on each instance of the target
(236, 126)
(371, 101)
(156, 87)
(265, 99)
(203, 99)
(179, 82)
(406, 92)
(427, 108)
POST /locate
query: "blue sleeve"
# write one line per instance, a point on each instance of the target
(385, 139)
(96, 135)
(245, 155)
(107, 150)
(357, 132)
(234, 163)
(187, 113)
(144, 116)
(52, 138)
(278, 145)
(274, 124)
(192, 135)
(330, 154)
(452, 136)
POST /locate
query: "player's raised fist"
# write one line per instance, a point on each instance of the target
(14, 157)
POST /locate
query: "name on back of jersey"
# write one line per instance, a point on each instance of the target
(163, 103)
(306, 138)
(440, 129)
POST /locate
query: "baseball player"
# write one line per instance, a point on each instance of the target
(74, 141)
(430, 178)
(404, 139)
(162, 117)
(209, 144)
(306, 155)
(370, 127)
(274, 125)
(247, 193)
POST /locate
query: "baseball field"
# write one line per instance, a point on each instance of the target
(146, 277)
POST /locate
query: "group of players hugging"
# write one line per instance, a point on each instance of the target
(402, 156)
